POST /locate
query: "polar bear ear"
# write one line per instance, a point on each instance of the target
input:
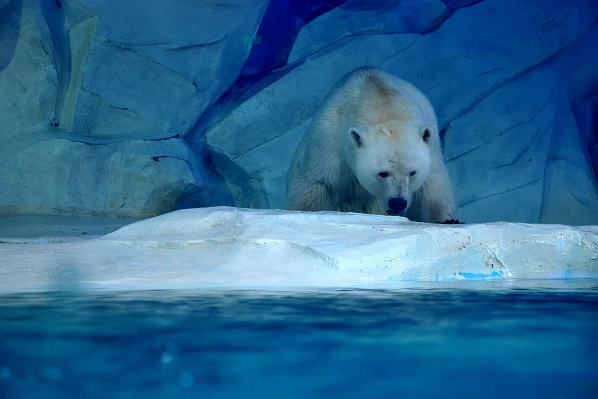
(356, 137)
(426, 132)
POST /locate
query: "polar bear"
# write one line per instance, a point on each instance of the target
(373, 147)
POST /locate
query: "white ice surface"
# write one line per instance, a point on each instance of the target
(232, 247)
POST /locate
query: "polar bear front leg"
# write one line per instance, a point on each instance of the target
(436, 201)
(316, 198)
(440, 211)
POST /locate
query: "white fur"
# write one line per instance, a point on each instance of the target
(331, 171)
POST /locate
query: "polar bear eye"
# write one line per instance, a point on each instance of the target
(412, 173)
(356, 138)
(426, 136)
(383, 174)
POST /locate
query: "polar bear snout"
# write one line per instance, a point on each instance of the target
(397, 206)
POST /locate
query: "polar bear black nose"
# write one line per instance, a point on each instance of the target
(397, 204)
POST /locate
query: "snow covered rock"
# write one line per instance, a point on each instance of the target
(231, 247)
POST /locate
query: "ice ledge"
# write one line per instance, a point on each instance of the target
(235, 247)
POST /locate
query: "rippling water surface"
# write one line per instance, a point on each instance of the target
(459, 340)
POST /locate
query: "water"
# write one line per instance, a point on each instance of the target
(460, 340)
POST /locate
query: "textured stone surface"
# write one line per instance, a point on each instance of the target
(64, 176)
(28, 76)
(241, 248)
(165, 65)
(523, 152)
(456, 4)
(356, 17)
(281, 24)
(79, 71)
(524, 148)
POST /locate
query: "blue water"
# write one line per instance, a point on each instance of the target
(469, 340)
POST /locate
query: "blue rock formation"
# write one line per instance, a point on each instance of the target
(10, 18)
(178, 104)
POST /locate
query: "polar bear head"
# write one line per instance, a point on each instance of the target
(391, 161)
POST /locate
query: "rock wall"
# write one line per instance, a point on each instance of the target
(142, 109)
(97, 99)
